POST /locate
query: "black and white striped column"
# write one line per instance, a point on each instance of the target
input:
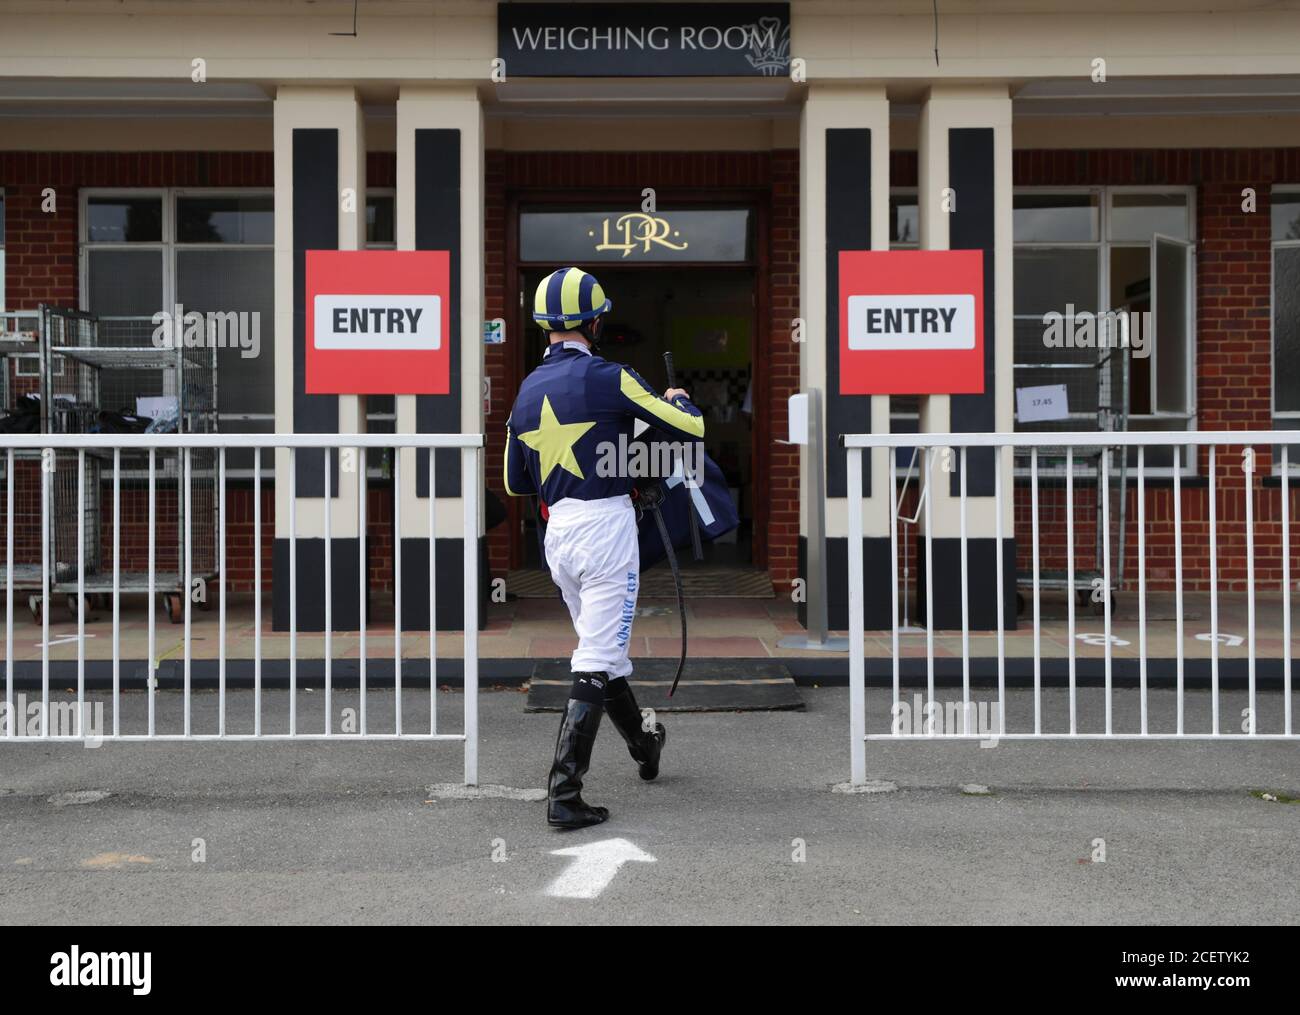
(965, 204)
(319, 205)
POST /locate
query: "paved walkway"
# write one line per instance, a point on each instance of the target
(742, 824)
(731, 628)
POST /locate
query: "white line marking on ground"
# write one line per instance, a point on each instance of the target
(62, 639)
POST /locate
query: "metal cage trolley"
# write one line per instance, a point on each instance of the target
(1101, 383)
(96, 373)
(20, 412)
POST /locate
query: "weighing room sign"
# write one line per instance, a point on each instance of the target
(911, 322)
(378, 322)
(644, 40)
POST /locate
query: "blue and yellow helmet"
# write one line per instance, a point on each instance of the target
(567, 297)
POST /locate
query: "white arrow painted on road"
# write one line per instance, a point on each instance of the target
(593, 868)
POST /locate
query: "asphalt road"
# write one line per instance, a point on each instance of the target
(743, 826)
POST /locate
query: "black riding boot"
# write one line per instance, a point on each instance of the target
(644, 746)
(565, 807)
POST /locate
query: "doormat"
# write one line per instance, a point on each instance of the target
(707, 685)
(657, 583)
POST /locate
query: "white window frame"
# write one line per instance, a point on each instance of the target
(85, 245)
(1105, 195)
(1188, 416)
(1274, 246)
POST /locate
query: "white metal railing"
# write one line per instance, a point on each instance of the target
(110, 447)
(932, 445)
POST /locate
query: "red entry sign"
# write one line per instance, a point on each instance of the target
(911, 322)
(378, 322)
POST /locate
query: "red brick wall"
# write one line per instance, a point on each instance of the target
(783, 373)
(777, 171)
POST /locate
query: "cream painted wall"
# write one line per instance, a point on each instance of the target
(267, 41)
(1045, 40)
(409, 40)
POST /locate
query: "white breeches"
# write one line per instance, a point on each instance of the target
(591, 547)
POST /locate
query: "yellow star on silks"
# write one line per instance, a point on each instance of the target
(553, 441)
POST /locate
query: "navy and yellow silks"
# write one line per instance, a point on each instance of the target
(569, 411)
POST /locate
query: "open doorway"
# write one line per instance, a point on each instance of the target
(707, 318)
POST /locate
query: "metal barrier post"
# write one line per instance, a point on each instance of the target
(470, 489)
(857, 661)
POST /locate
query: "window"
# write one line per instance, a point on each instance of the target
(123, 280)
(224, 261)
(1286, 304)
(1286, 316)
(124, 219)
(904, 220)
(381, 219)
(1048, 218)
(1081, 254)
(240, 219)
(1136, 217)
(1092, 265)
(147, 251)
(2, 249)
